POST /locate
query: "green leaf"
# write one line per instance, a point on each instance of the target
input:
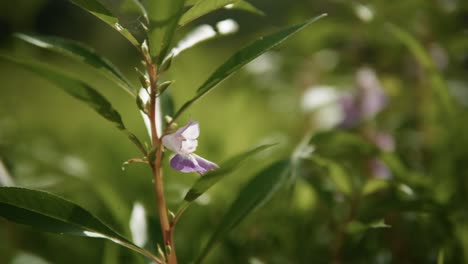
(80, 91)
(167, 104)
(211, 178)
(191, 2)
(246, 6)
(82, 53)
(374, 185)
(336, 173)
(164, 16)
(203, 7)
(355, 227)
(243, 57)
(131, 15)
(438, 84)
(253, 195)
(51, 213)
(97, 9)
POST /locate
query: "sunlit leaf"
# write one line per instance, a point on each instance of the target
(5, 177)
(138, 224)
(82, 53)
(245, 6)
(203, 7)
(80, 91)
(243, 57)
(101, 12)
(212, 177)
(203, 33)
(253, 195)
(50, 213)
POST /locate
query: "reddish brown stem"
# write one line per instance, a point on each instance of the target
(156, 167)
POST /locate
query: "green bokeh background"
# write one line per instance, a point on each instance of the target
(52, 142)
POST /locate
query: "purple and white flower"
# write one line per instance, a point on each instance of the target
(184, 142)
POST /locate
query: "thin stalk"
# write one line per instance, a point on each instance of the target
(156, 167)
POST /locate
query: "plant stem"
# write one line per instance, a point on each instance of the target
(156, 167)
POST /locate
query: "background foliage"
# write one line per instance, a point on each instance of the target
(338, 210)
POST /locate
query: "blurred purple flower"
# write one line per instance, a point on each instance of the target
(379, 169)
(184, 142)
(351, 114)
(373, 98)
(384, 141)
(369, 100)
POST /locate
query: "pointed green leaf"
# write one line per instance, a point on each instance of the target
(97, 9)
(202, 8)
(211, 178)
(164, 16)
(253, 195)
(246, 6)
(51, 213)
(82, 53)
(243, 57)
(131, 14)
(80, 91)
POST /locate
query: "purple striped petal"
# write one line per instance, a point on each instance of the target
(192, 163)
(204, 164)
(184, 163)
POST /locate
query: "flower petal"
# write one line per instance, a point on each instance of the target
(192, 163)
(173, 142)
(190, 131)
(184, 163)
(189, 146)
(204, 164)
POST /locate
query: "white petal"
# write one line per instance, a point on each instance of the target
(190, 131)
(173, 142)
(189, 146)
